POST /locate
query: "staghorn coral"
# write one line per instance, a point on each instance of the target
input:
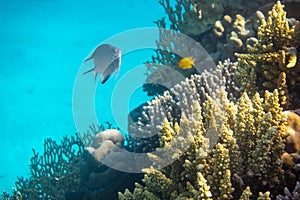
(16, 195)
(272, 59)
(242, 129)
(264, 196)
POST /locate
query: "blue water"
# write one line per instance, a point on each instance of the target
(43, 44)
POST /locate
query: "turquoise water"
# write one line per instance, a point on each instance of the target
(43, 45)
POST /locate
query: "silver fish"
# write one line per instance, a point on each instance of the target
(107, 59)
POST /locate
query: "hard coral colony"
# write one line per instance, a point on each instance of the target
(236, 126)
(256, 154)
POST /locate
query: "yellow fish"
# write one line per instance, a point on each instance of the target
(186, 63)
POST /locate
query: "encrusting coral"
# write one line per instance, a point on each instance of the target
(272, 59)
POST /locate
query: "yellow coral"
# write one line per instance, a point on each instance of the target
(246, 194)
(220, 179)
(273, 58)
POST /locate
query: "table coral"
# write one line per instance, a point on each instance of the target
(272, 60)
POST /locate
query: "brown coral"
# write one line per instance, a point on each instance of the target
(292, 146)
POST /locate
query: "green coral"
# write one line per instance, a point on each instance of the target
(272, 59)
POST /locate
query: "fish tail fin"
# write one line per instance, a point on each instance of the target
(88, 71)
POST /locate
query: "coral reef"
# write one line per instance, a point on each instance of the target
(236, 161)
(192, 17)
(202, 21)
(67, 171)
(230, 35)
(246, 8)
(291, 157)
(222, 131)
(99, 181)
(173, 103)
(163, 71)
(290, 195)
(55, 173)
(272, 59)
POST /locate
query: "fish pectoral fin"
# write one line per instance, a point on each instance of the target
(89, 58)
(95, 76)
(104, 79)
(88, 71)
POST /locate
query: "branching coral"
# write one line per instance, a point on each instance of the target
(60, 172)
(178, 100)
(295, 194)
(193, 17)
(250, 139)
(230, 36)
(188, 18)
(272, 60)
(55, 173)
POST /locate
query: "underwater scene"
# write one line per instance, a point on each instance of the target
(150, 100)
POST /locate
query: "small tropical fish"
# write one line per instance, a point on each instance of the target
(107, 59)
(186, 63)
